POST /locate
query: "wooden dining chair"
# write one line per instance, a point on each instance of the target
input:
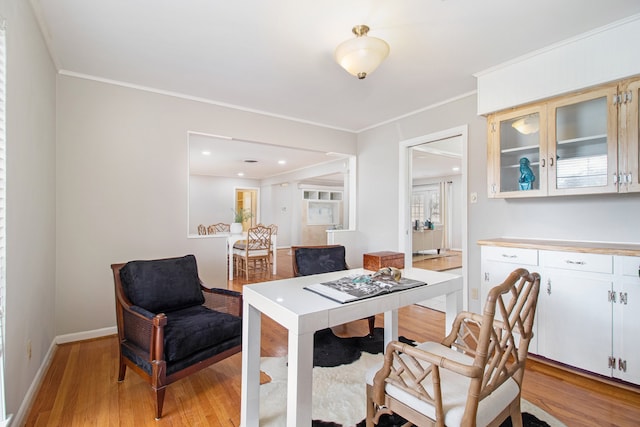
(474, 377)
(202, 230)
(220, 227)
(254, 252)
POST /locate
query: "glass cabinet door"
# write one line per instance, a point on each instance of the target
(630, 138)
(582, 151)
(517, 153)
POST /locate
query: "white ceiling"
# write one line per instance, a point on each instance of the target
(276, 56)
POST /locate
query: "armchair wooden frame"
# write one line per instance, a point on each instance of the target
(143, 337)
(497, 350)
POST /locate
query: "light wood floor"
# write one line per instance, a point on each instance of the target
(80, 387)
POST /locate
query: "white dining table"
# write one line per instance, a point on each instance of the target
(233, 238)
(303, 312)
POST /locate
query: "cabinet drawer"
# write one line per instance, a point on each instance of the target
(510, 255)
(595, 263)
(631, 266)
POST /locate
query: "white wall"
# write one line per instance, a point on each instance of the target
(212, 199)
(31, 215)
(122, 184)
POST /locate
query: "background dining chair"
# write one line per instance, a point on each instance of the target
(253, 253)
(220, 227)
(202, 230)
(169, 325)
(474, 377)
(308, 260)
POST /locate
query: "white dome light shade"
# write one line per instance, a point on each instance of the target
(362, 55)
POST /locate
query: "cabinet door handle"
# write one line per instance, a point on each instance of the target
(543, 162)
(612, 362)
(549, 287)
(551, 161)
(611, 296)
(623, 298)
(622, 365)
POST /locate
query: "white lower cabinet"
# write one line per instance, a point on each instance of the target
(574, 311)
(588, 313)
(626, 320)
(497, 264)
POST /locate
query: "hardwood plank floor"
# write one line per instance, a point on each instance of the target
(80, 387)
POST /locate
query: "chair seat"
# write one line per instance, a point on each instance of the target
(254, 253)
(455, 390)
(195, 328)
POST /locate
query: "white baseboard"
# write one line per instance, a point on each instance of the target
(19, 418)
(86, 335)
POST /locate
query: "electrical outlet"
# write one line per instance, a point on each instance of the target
(29, 349)
(474, 293)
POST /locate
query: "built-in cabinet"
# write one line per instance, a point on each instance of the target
(626, 316)
(575, 310)
(583, 143)
(588, 313)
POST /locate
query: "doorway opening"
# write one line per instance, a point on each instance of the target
(433, 209)
(246, 200)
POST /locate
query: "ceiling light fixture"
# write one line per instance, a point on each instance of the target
(527, 125)
(362, 55)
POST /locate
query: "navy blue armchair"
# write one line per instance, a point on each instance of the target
(169, 324)
(308, 260)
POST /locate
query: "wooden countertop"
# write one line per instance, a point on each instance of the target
(606, 248)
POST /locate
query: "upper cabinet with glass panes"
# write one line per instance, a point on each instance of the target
(567, 145)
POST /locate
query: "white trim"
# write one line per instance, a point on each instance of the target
(86, 335)
(404, 243)
(32, 392)
(420, 110)
(195, 98)
(558, 45)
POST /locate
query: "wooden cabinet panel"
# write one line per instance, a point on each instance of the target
(582, 143)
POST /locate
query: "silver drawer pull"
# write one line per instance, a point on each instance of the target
(568, 261)
(509, 256)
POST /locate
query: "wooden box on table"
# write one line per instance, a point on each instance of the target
(374, 261)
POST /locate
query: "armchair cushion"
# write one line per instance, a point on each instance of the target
(195, 328)
(320, 260)
(162, 285)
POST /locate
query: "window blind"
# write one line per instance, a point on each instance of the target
(4, 420)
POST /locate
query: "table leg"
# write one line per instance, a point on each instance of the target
(454, 306)
(274, 254)
(390, 327)
(300, 380)
(250, 393)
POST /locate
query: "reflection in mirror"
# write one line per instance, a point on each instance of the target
(287, 182)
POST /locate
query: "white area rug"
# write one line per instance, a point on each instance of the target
(339, 393)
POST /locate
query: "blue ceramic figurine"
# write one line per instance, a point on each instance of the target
(526, 175)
